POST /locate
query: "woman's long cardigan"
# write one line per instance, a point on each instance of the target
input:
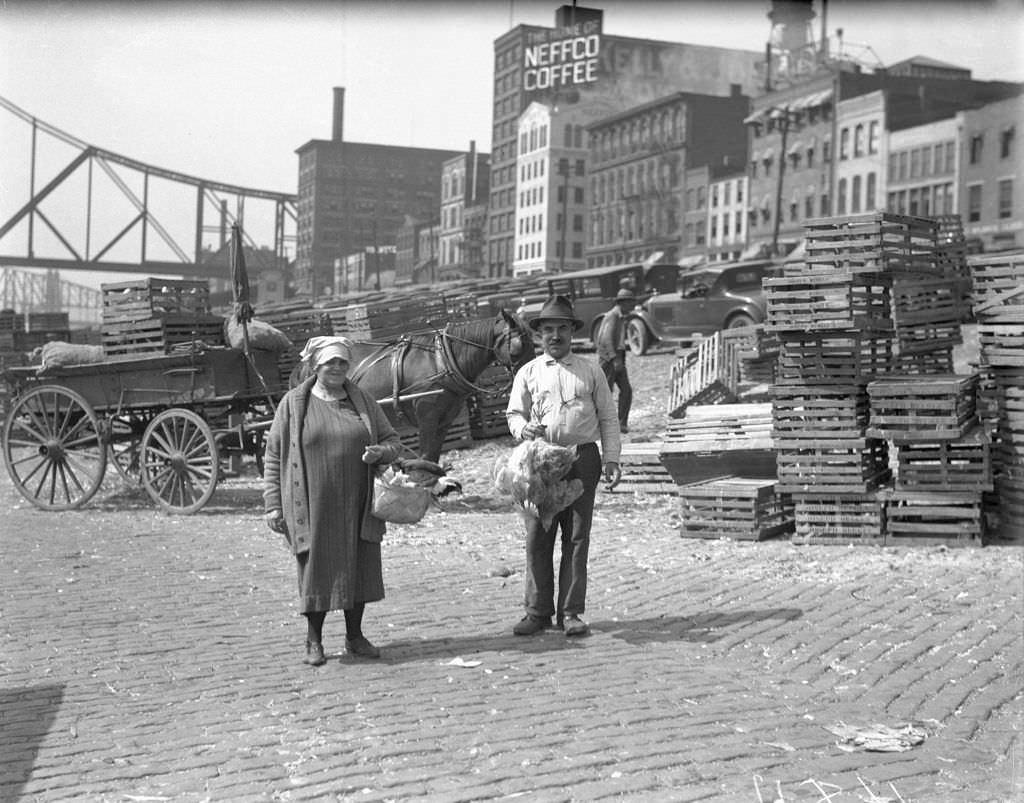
(284, 472)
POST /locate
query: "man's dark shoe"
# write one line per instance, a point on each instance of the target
(361, 646)
(531, 624)
(574, 626)
(314, 654)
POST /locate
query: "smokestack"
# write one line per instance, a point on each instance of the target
(338, 129)
(472, 172)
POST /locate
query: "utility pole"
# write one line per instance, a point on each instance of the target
(376, 255)
(778, 183)
(563, 170)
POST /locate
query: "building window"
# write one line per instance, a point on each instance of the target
(893, 164)
(870, 202)
(873, 137)
(977, 142)
(855, 195)
(858, 140)
(1006, 143)
(974, 203)
(1005, 197)
(841, 199)
(809, 206)
(950, 157)
(915, 163)
(700, 197)
(844, 144)
(904, 159)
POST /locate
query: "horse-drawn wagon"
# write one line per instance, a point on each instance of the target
(164, 421)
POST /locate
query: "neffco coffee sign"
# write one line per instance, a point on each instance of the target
(562, 57)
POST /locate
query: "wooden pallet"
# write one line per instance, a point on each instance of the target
(841, 358)
(854, 466)
(818, 413)
(839, 519)
(872, 242)
(643, 471)
(964, 464)
(734, 507)
(159, 335)
(922, 408)
(918, 518)
(824, 303)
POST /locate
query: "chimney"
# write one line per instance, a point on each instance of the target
(338, 129)
(471, 184)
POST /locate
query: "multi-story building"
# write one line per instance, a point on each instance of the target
(801, 116)
(551, 203)
(991, 205)
(693, 249)
(465, 180)
(727, 215)
(576, 63)
(352, 195)
(638, 165)
(922, 173)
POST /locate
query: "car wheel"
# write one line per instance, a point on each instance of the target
(739, 321)
(637, 337)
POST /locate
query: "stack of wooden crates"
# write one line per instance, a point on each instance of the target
(158, 316)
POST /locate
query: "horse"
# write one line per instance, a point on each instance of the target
(423, 378)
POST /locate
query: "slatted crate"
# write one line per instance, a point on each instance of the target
(734, 507)
(839, 358)
(11, 321)
(384, 319)
(938, 360)
(706, 374)
(839, 519)
(1002, 344)
(722, 427)
(856, 465)
(47, 322)
(998, 288)
(148, 298)
(828, 302)
(487, 409)
(1009, 509)
(299, 321)
(921, 299)
(643, 472)
(160, 335)
(457, 436)
(919, 518)
(922, 408)
(964, 464)
(805, 415)
(872, 242)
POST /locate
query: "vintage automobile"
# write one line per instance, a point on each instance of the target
(593, 291)
(711, 298)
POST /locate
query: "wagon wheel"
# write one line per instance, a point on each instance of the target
(54, 448)
(125, 444)
(179, 461)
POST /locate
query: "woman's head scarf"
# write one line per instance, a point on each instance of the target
(319, 350)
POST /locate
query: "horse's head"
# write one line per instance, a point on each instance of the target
(513, 343)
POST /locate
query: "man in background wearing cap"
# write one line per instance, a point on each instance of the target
(611, 352)
(564, 399)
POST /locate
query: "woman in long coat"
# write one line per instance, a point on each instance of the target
(326, 438)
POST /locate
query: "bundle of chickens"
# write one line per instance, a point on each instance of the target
(421, 473)
(533, 474)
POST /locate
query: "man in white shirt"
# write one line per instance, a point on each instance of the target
(564, 399)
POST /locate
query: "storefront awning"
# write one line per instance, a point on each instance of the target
(753, 117)
(811, 100)
(767, 154)
(795, 148)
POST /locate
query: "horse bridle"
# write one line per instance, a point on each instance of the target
(444, 339)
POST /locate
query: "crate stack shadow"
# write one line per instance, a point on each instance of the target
(998, 296)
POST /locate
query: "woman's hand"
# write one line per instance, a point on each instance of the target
(275, 521)
(374, 453)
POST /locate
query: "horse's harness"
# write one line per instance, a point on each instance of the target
(449, 376)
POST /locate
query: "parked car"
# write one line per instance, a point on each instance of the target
(593, 291)
(712, 298)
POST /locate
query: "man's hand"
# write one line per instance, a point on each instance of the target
(275, 521)
(612, 474)
(532, 431)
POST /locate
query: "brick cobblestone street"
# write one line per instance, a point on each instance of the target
(153, 657)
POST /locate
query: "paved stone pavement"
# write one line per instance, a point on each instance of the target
(153, 657)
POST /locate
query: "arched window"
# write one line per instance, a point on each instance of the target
(855, 195)
(858, 140)
(841, 199)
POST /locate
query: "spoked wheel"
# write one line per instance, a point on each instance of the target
(54, 448)
(179, 461)
(125, 444)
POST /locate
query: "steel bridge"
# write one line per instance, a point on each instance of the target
(83, 208)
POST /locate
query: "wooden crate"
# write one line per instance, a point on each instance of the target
(144, 299)
(918, 518)
(844, 358)
(706, 374)
(722, 427)
(964, 464)
(299, 321)
(998, 288)
(643, 472)
(839, 519)
(1001, 344)
(159, 335)
(938, 360)
(457, 436)
(384, 319)
(922, 408)
(857, 465)
(808, 415)
(825, 303)
(1009, 506)
(734, 507)
(47, 322)
(870, 242)
(487, 410)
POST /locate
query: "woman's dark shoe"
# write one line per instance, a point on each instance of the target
(361, 646)
(315, 654)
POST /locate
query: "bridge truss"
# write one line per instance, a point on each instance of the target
(27, 291)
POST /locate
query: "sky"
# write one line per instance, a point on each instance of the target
(228, 90)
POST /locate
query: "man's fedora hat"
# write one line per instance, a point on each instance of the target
(556, 308)
(625, 294)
